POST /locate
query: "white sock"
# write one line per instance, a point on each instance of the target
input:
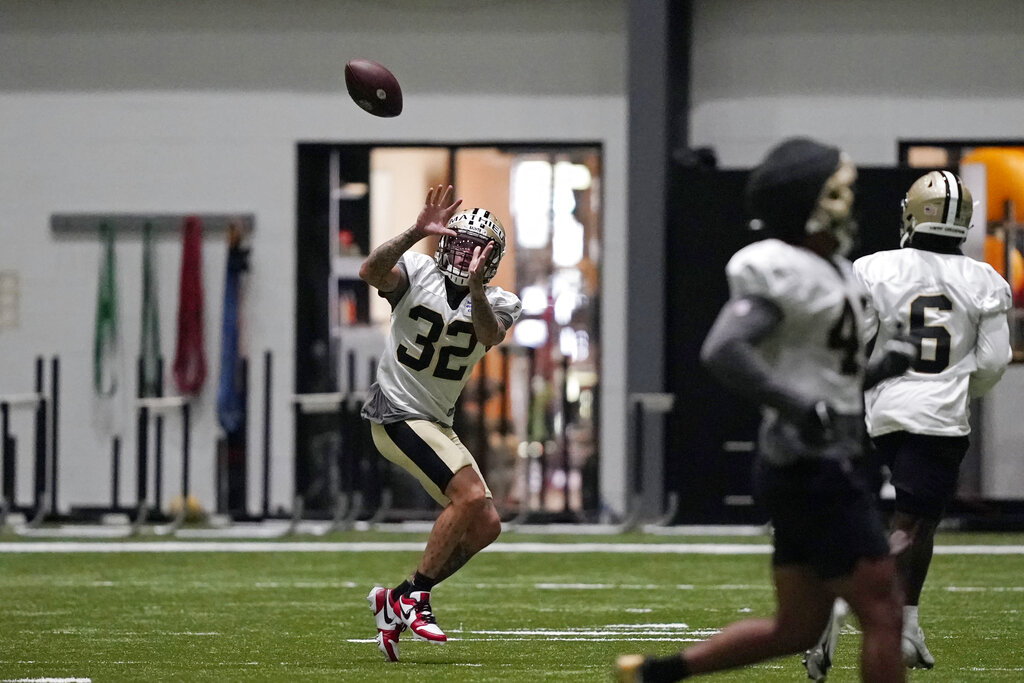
(910, 619)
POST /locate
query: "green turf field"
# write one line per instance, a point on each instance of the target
(510, 616)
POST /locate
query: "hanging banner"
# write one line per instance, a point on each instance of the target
(150, 380)
(105, 349)
(231, 386)
(189, 360)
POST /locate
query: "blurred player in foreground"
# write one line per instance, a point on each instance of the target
(955, 307)
(444, 317)
(790, 339)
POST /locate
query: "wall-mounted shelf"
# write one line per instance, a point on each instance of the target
(132, 223)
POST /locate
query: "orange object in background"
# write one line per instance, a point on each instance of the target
(995, 256)
(1004, 179)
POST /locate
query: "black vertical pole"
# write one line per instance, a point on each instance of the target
(142, 445)
(638, 448)
(184, 451)
(7, 451)
(158, 460)
(41, 454)
(115, 473)
(267, 367)
(141, 436)
(54, 414)
(352, 457)
(563, 437)
(158, 437)
(531, 407)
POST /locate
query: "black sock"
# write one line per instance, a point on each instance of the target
(421, 582)
(400, 590)
(664, 669)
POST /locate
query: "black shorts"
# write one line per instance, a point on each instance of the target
(924, 470)
(823, 515)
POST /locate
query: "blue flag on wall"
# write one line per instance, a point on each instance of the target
(231, 385)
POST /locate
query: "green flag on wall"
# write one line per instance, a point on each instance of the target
(104, 350)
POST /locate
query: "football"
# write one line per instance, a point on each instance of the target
(373, 87)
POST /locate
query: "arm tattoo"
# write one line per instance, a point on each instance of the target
(382, 259)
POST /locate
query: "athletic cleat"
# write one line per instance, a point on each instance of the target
(413, 611)
(818, 660)
(388, 624)
(629, 669)
(915, 654)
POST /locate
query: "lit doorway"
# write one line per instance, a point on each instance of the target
(529, 412)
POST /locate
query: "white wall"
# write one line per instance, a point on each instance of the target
(197, 107)
(859, 74)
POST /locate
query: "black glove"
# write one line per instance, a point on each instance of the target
(899, 353)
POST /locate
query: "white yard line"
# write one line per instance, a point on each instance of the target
(250, 546)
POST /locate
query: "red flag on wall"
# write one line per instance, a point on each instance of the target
(189, 361)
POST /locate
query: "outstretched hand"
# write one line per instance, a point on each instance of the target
(478, 264)
(436, 211)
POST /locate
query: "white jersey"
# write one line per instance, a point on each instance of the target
(431, 349)
(958, 307)
(816, 350)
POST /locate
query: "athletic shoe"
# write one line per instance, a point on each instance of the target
(413, 611)
(818, 660)
(388, 625)
(629, 669)
(915, 654)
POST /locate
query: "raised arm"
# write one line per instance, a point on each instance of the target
(488, 328)
(379, 269)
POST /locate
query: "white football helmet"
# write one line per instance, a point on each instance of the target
(474, 228)
(937, 203)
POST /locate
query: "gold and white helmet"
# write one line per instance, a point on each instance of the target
(939, 204)
(474, 228)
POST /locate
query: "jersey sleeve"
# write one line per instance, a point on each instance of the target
(992, 352)
(416, 265)
(860, 279)
(759, 271)
(993, 297)
(506, 306)
(395, 296)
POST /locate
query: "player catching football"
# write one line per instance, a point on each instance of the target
(956, 307)
(790, 338)
(444, 317)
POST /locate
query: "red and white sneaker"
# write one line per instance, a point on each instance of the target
(388, 624)
(413, 611)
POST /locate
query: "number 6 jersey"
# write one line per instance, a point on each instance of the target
(956, 308)
(431, 349)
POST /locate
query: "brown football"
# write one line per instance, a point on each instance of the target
(373, 87)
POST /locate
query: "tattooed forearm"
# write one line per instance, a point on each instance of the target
(376, 269)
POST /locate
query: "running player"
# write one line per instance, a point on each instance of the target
(790, 339)
(956, 308)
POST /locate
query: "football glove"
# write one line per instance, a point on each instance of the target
(898, 354)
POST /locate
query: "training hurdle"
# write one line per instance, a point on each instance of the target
(157, 407)
(45, 460)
